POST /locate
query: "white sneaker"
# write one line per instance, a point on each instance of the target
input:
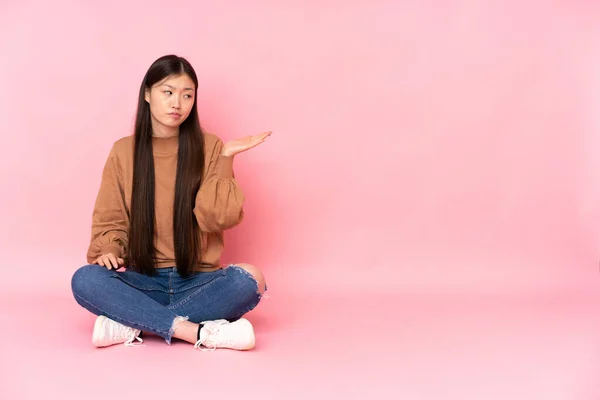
(108, 332)
(238, 335)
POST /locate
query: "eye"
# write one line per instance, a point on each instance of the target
(168, 92)
(189, 96)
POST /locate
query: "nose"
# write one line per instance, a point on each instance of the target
(176, 103)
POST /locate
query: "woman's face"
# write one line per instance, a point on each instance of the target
(171, 101)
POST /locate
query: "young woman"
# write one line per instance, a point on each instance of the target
(167, 194)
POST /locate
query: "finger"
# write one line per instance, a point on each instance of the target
(106, 262)
(258, 139)
(100, 262)
(113, 261)
(251, 145)
(263, 135)
(121, 261)
(259, 142)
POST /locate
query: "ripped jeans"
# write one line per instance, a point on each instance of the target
(151, 304)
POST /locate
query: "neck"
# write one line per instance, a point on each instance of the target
(161, 131)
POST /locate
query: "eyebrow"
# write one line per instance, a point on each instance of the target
(172, 87)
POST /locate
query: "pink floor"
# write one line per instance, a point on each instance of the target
(336, 345)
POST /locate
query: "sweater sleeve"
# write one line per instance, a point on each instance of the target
(109, 218)
(219, 201)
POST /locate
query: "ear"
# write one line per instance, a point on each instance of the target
(147, 95)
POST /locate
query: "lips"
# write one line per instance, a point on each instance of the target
(175, 115)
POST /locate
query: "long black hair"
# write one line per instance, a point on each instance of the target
(190, 164)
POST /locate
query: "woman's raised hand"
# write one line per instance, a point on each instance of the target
(237, 146)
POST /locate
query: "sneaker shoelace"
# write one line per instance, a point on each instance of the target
(129, 342)
(119, 330)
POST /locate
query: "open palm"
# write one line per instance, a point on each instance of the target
(237, 146)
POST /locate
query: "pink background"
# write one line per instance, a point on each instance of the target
(419, 146)
(438, 146)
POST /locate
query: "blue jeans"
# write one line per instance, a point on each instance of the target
(151, 304)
